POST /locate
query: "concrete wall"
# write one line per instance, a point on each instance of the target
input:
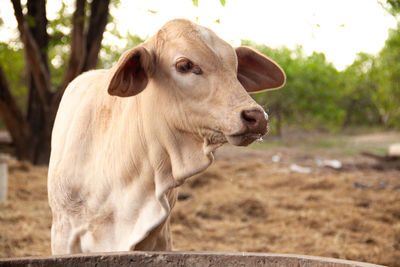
(182, 259)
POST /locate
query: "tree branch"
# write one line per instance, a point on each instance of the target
(78, 42)
(38, 27)
(33, 56)
(97, 25)
(13, 118)
(90, 44)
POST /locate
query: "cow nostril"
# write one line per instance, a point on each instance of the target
(255, 121)
(248, 117)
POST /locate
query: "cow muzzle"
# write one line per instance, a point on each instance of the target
(255, 125)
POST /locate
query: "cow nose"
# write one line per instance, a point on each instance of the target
(255, 121)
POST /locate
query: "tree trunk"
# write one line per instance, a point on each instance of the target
(78, 44)
(277, 113)
(38, 113)
(14, 120)
(31, 135)
(97, 25)
(279, 123)
(38, 120)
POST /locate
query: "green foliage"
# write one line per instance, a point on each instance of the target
(109, 54)
(12, 62)
(196, 2)
(316, 95)
(310, 96)
(59, 44)
(387, 77)
(59, 29)
(395, 6)
(358, 90)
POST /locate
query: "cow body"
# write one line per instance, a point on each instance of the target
(124, 138)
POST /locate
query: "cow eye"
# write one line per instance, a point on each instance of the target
(185, 65)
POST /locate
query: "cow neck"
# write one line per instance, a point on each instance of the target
(180, 154)
(173, 157)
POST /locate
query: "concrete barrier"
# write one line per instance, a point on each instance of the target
(3, 177)
(167, 259)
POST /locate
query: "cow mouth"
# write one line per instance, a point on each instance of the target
(243, 139)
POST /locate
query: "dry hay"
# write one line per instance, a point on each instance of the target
(244, 202)
(25, 219)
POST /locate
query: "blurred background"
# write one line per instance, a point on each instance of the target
(325, 181)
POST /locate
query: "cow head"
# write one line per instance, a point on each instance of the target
(199, 83)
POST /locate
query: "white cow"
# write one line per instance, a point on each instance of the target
(125, 137)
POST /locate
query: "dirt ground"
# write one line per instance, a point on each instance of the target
(247, 202)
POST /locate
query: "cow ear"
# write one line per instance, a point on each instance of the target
(132, 72)
(256, 72)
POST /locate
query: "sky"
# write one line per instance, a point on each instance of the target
(338, 28)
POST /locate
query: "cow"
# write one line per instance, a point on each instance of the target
(124, 138)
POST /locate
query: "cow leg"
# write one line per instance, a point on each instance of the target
(60, 234)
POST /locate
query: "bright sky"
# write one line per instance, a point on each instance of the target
(338, 28)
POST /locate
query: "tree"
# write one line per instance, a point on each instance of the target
(357, 93)
(31, 132)
(387, 75)
(394, 6)
(311, 95)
